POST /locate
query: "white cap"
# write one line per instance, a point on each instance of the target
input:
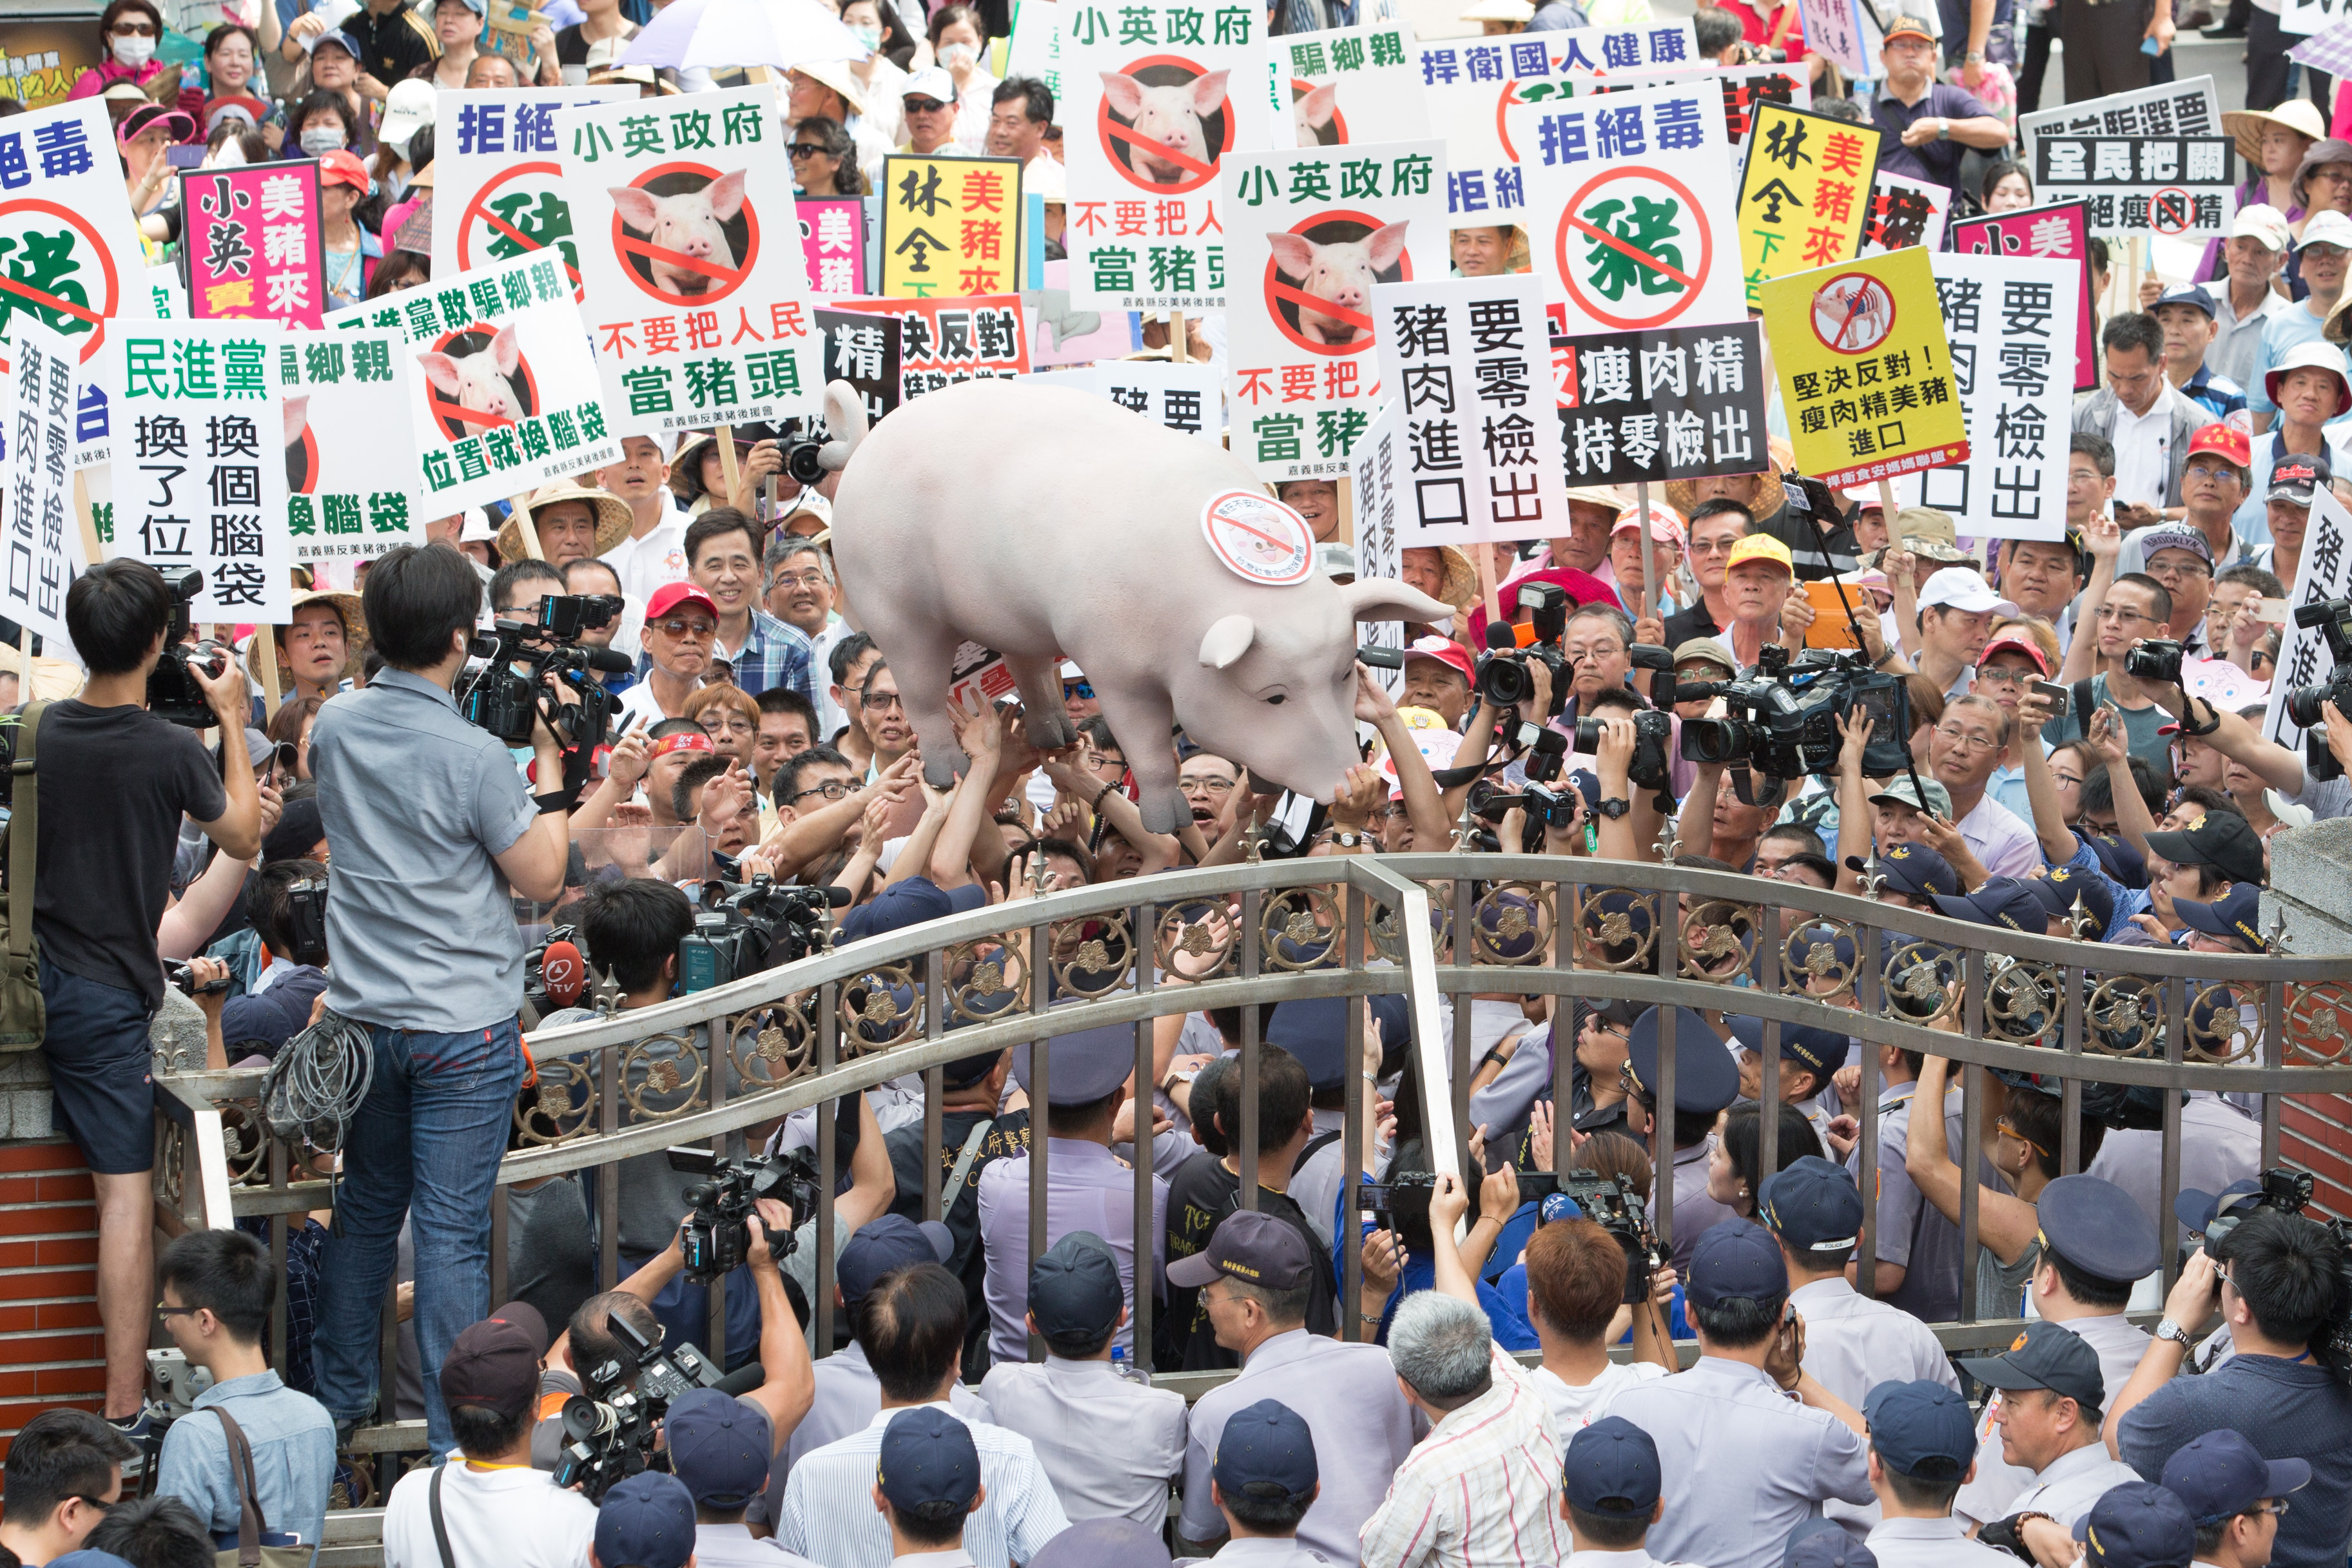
(1335, 560)
(1959, 587)
(2328, 226)
(476, 530)
(811, 501)
(410, 104)
(930, 82)
(1070, 671)
(2264, 223)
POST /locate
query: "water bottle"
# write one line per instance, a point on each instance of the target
(1121, 1367)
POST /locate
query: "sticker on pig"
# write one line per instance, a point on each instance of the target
(479, 382)
(1318, 280)
(1258, 539)
(686, 232)
(1164, 123)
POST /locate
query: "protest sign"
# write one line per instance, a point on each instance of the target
(351, 450)
(2324, 572)
(1473, 83)
(1628, 198)
(951, 225)
(2176, 109)
(1315, 231)
(2308, 17)
(1904, 212)
(2010, 322)
(2060, 231)
(1159, 96)
(1744, 88)
(1681, 403)
(2168, 185)
(833, 243)
(1346, 87)
(252, 243)
(1864, 369)
(199, 472)
(1036, 50)
(1467, 360)
(498, 180)
(167, 293)
(504, 397)
(863, 351)
(44, 545)
(1804, 199)
(1835, 30)
(1376, 470)
(1185, 398)
(686, 217)
(943, 342)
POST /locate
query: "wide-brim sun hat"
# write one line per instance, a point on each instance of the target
(612, 518)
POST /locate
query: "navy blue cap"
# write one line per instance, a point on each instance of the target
(908, 903)
(2137, 1525)
(2060, 889)
(1558, 1206)
(1509, 926)
(2119, 860)
(885, 1245)
(2221, 1473)
(92, 1557)
(2222, 839)
(2237, 913)
(2003, 902)
(718, 1446)
(2198, 1210)
(1265, 1450)
(2046, 1355)
(339, 39)
(966, 1070)
(1103, 1544)
(1084, 1066)
(1623, 918)
(2186, 294)
(1588, 784)
(1314, 1030)
(927, 1457)
(1835, 946)
(1073, 1288)
(1921, 1430)
(1249, 1245)
(1736, 1259)
(2099, 1229)
(1824, 1051)
(1705, 1078)
(1611, 1470)
(1825, 1543)
(1812, 1204)
(1916, 870)
(646, 1521)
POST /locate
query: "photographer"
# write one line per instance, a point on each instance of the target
(115, 781)
(277, 1005)
(433, 831)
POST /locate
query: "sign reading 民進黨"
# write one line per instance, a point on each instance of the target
(351, 450)
(253, 244)
(944, 342)
(1864, 370)
(1160, 97)
(1804, 199)
(2010, 322)
(40, 545)
(497, 178)
(199, 464)
(1315, 231)
(1346, 86)
(1679, 403)
(2168, 185)
(951, 225)
(503, 395)
(1467, 359)
(689, 253)
(2059, 232)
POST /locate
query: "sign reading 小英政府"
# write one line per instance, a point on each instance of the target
(688, 239)
(43, 546)
(2060, 231)
(1678, 403)
(252, 243)
(1346, 87)
(351, 449)
(1804, 199)
(943, 342)
(2009, 322)
(951, 225)
(498, 176)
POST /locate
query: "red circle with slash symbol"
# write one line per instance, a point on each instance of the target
(1121, 145)
(1853, 313)
(478, 216)
(1287, 303)
(2171, 211)
(24, 295)
(1574, 229)
(638, 254)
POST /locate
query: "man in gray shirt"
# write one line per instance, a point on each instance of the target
(431, 828)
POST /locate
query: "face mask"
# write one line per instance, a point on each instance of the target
(318, 143)
(957, 54)
(130, 51)
(227, 155)
(867, 34)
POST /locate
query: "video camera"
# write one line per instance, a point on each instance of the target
(1784, 718)
(1613, 1204)
(506, 700)
(1502, 677)
(2332, 618)
(2156, 660)
(717, 1237)
(609, 1431)
(745, 927)
(173, 691)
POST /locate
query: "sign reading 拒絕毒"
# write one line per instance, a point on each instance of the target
(498, 176)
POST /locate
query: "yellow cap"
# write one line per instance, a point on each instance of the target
(1761, 547)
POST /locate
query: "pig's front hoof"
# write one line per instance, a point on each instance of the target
(1050, 729)
(1166, 813)
(940, 769)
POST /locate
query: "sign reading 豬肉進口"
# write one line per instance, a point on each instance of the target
(689, 253)
(951, 225)
(503, 393)
(2011, 324)
(1804, 199)
(252, 244)
(1346, 86)
(498, 179)
(351, 451)
(1315, 229)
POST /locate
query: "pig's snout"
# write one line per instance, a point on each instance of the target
(696, 244)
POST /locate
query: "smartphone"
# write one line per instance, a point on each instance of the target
(2272, 612)
(2058, 695)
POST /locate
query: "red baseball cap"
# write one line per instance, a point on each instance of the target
(2225, 441)
(2017, 642)
(1445, 650)
(670, 595)
(342, 167)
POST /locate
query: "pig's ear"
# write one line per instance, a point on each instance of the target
(1386, 599)
(1321, 104)
(1386, 244)
(635, 207)
(1227, 641)
(726, 193)
(1294, 254)
(1209, 92)
(1126, 94)
(844, 415)
(441, 371)
(505, 351)
(298, 415)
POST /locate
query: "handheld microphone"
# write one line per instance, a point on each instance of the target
(564, 973)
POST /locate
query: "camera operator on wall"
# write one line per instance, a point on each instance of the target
(431, 827)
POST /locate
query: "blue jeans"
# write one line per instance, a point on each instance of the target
(426, 1144)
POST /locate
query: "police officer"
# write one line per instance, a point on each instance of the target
(1922, 1447)
(1822, 1543)
(719, 1448)
(1742, 1461)
(1809, 1055)
(2137, 1525)
(1706, 1081)
(1109, 1446)
(2049, 1420)
(1086, 1188)
(1264, 1480)
(1611, 1493)
(2233, 1494)
(972, 1136)
(2094, 1243)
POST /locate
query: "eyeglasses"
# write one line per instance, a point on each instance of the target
(2334, 173)
(2120, 616)
(805, 150)
(679, 627)
(2176, 568)
(1581, 651)
(2004, 1126)
(2276, 1508)
(797, 579)
(1961, 738)
(1713, 547)
(923, 105)
(1214, 785)
(832, 790)
(2003, 675)
(881, 701)
(2206, 471)
(165, 1314)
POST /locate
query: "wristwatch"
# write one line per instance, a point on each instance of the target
(1944, 129)
(1614, 807)
(1973, 57)
(2166, 1329)
(1347, 839)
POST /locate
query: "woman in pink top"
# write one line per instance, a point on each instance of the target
(133, 31)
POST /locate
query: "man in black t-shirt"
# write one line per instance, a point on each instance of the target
(114, 783)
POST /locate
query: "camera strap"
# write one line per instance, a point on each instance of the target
(962, 1170)
(440, 1525)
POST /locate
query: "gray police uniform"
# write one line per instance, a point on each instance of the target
(1742, 1463)
(1501, 1106)
(2219, 1145)
(1086, 1189)
(1109, 1446)
(1263, 1553)
(732, 1546)
(1910, 1230)
(848, 1398)
(1931, 1543)
(1998, 1484)
(2071, 1482)
(1853, 1343)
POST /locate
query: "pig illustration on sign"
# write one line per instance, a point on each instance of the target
(1311, 111)
(1342, 272)
(299, 476)
(691, 224)
(1166, 116)
(477, 383)
(1090, 547)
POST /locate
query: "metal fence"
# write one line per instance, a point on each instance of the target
(1427, 926)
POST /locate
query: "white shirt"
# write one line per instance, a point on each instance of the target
(829, 1513)
(2143, 452)
(1482, 1487)
(1109, 1446)
(639, 700)
(497, 1519)
(644, 564)
(1573, 1409)
(1931, 1543)
(2067, 1487)
(831, 716)
(1268, 1552)
(732, 1546)
(2002, 844)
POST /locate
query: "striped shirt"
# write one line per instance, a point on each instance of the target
(828, 1512)
(1499, 1447)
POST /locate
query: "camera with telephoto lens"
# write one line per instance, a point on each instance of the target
(2332, 619)
(1502, 677)
(1613, 1204)
(1783, 718)
(609, 1431)
(2156, 660)
(1545, 807)
(1653, 732)
(173, 691)
(745, 927)
(717, 1238)
(506, 700)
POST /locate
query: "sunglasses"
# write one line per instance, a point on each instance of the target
(805, 150)
(133, 31)
(1082, 690)
(924, 106)
(677, 627)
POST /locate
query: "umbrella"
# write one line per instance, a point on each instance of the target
(2330, 51)
(780, 33)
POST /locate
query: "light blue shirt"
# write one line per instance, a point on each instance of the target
(293, 1441)
(828, 1512)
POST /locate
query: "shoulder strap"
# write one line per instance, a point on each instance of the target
(963, 1171)
(1320, 1141)
(2083, 703)
(24, 847)
(440, 1525)
(249, 1525)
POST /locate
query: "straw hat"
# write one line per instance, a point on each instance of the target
(54, 680)
(835, 74)
(2300, 116)
(1682, 495)
(1460, 585)
(612, 518)
(355, 634)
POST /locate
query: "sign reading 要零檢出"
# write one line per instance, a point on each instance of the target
(951, 225)
(498, 176)
(350, 449)
(2010, 322)
(1681, 403)
(43, 547)
(697, 284)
